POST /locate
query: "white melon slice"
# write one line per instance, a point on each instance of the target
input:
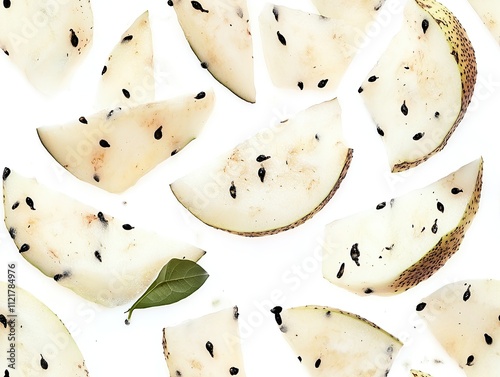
(218, 32)
(46, 39)
(464, 317)
(357, 13)
(419, 90)
(400, 242)
(127, 78)
(113, 150)
(246, 191)
(489, 12)
(33, 340)
(304, 50)
(331, 342)
(101, 258)
(207, 346)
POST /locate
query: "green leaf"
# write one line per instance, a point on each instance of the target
(178, 279)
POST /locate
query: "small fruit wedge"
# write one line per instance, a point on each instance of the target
(99, 257)
(489, 12)
(464, 316)
(114, 149)
(33, 340)
(304, 50)
(302, 161)
(419, 90)
(419, 373)
(127, 78)
(401, 242)
(218, 32)
(207, 346)
(331, 342)
(46, 40)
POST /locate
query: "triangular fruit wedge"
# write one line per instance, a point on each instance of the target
(331, 342)
(207, 346)
(400, 242)
(114, 149)
(127, 78)
(248, 190)
(47, 39)
(489, 12)
(417, 98)
(464, 317)
(218, 32)
(304, 50)
(33, 340)
(101, 258)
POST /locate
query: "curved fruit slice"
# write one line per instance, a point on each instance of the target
(301, 161)
(357, 13)
(464, 316)
(127, 78)
(489, 12)
(418, 373)
(304, 50)
(420, 89)
(46, 40)
(218, 31)
(101, 258)
(34, 341)
(401, 242)
(331, 342)
(113, 150)
(207, 346)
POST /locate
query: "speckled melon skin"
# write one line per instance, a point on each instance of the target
(43, 344)
(99, 257)
(47, 40)
(419, 373)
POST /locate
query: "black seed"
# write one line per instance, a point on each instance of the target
(236, 314)
(380, 206)
(96, 178)
(6, 52)
(74, 38)
(110, 114)
(436, 114)
(82, 120)
(3, 321)
(262, 157)
(277, 311)
(170, 3)
(104, 70)
(200, 95)
(15, 205)
(128, 38)
(380, 131)
(204, 65)
(434, 228)
(418, 136)
(6, 3)
(421, 306)
(488, 339)
(360, 89)
(173, 152)
(233, 371)
(317, 363)
(178, 373)
(328, 313)
(210, 348)
(456, 190)
(126, 93)
(158, 134)
(425, 25)
(261, 173)
(43, 363)
(281, 38)
(322, 83)
(372, 78)
(300, 84)
(127, 227)
(196, 5)
(300, 358)
(316, 137)
(97, 254)
(12, 232)
(232, 190)
(276, 13)
(470, 360)
(6, 173)
(58, 277)
(101, 218)
(103, 143)
(355, 254)
(404, 108)
(24, 247)
(341, 271)
(440, 207)
(30, 203)
(7, 374)
(368, 291)
(466, 295)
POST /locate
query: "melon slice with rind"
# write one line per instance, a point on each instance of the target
(114, 149)
(489, 12)
(46, 40)
(464, 318)
(33, 340)
(99, 257)
(400, 242)
(419, 90)
(127, 78)
(207, 346)
(305, 51)
(219, 34)
(332, 342)
(245, 191)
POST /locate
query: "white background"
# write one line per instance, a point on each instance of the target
(253, 273)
